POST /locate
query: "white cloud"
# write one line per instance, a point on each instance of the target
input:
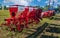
(7, 6)
(54, 1)
(51, 2)
(38, 0)
(6, 1)
(46, 1)
(19, 2)
(29, 0)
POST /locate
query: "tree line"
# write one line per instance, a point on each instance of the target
(3, 7)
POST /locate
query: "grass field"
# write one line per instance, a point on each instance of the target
(3, 14)
(10, 34)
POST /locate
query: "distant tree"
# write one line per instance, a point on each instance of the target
(5, 8)
(42, 8)
(58, 8)
(46, 7)
(0, 7)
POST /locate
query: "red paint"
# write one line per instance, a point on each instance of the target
(13, 10)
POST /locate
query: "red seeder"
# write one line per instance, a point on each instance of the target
(21, 20)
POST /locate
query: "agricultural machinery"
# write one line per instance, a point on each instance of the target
(49, 13)
(20, 19)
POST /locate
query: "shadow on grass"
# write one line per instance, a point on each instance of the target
(46, 36)
(56, 18)
(39, 31)
(51, 18)
(53, 29)
(54, 25)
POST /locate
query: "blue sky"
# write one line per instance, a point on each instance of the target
(29, 2)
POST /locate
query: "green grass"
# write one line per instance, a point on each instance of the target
(3, 14)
